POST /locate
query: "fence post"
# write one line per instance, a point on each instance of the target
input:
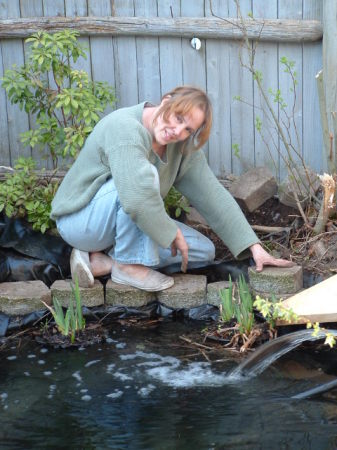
(330, 68)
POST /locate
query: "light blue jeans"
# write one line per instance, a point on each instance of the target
(103, 225)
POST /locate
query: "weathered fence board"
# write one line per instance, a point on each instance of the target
(211, 28)
(312, 64)
(218, 87)
(170, 50)
(291, 9)
(266, 60)
(242, 114)
(101, 48)
(125, 60)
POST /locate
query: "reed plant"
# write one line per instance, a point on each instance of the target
(240, 308)
(71, 321)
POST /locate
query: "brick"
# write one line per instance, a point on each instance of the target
(280, 281)
(254, 187)
(188, 291)
(213, 296)
(94, 296)
(120, 294)
(23, 297)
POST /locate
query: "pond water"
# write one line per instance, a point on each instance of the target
(144, 389)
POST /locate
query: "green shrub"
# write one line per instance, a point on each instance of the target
(175, 203)
(24, 195)
(66, 102)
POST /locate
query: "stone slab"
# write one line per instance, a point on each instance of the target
(276, 280)
(94, 296)
(19, 298)
(122, 295)
(316, 304)
(213, 295)
(188, 291)
(254, 187)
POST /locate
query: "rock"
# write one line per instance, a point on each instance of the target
(303, 188)
(194, 217)
(23, 297)
(188, 291)
(213, 295)
(254, 187)
(280, 281)
(94, 296)
(120, 294)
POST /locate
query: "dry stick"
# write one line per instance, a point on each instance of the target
(183, 338)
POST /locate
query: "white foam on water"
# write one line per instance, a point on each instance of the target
(11, 358)
(110, 367)
(152, 356)
(31, 356)
(121, 345)
(44, 350)
(146, 390)
(83, 391)
(77, 376)
(52, 388)
(115, 394)
(27, 374)
(110, 341)
(86, 398)
(122, 376)
(91, 363)
(80, 349)
(3, 396)
(41, 362)
(195, 374)
(47, 372)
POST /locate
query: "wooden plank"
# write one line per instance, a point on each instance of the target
(33, 9)
(242, 115)
(102, 52)
(312, 63)
(273, 29)
(291, 9)
(266, 61)
(53, 8)
(218, 88)
(147, 56)
(12, 53)
(316, 304)
(5, 159)
(330, 65)
(125, 60)
(78, 8)
(194, 61)
(170, 49)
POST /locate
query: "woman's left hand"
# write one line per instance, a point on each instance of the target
(263, 258)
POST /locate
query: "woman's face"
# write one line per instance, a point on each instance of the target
(177, 127)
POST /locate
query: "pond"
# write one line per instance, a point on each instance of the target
(145, 389)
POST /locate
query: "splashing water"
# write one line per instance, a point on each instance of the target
(268, 353)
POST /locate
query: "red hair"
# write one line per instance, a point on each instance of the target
(181, 101)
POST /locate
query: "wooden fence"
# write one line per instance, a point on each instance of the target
(143, 48)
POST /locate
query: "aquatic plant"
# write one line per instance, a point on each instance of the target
(72, 321)
(226, 306)
(241, 308)
(273, 310)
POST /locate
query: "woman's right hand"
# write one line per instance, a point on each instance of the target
(180, 244)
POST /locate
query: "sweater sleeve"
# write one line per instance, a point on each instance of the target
(137, 187)
(216, 204)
